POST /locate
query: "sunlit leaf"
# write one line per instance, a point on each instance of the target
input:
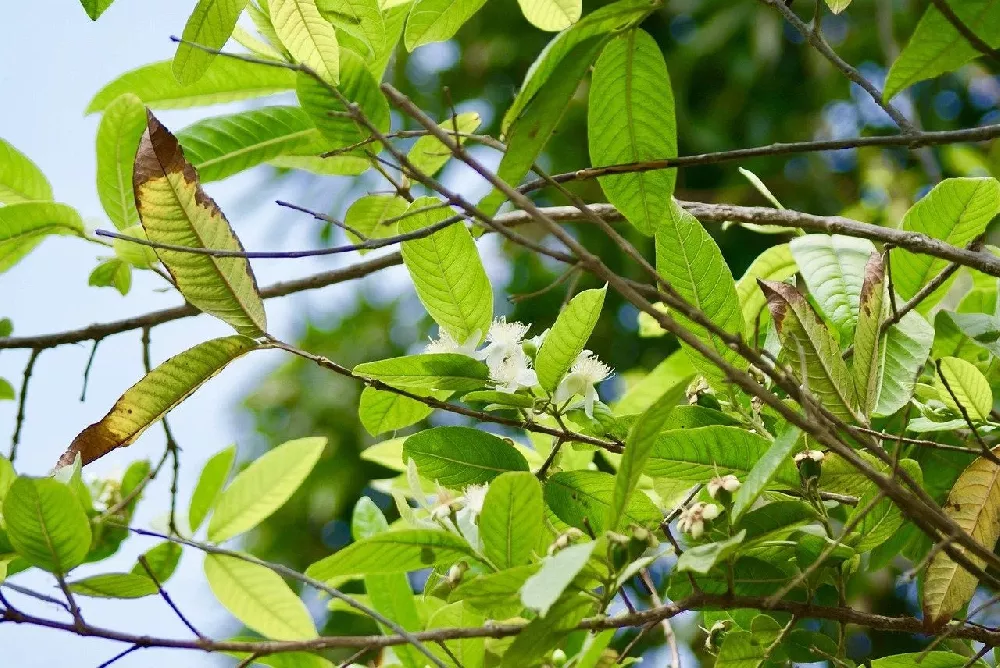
(542, 634)
(568, 336)
(703, 453)
(437, 20)
(393, 552)
(175, 210)
(368, 214)
(428, 154)
(381, 411)
(206, 492)
(545, 587)
(461, 456)
(440, 371)
(510, 525)
(46, 524)
(309, 37)
(210, 25)
(467, 653)
(551, 15)
(868, 342)
(20, 179)
(703, 558)
(927, 660)
(118, 136)
(95, 8)
(764, 471)
(162, 561)
(24, 225)
(907, 345)
(152, 397)
(969, 388)
(115, 585)
(112, 273)
(497, 594)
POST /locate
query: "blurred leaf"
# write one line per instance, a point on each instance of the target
(7, 392)
(118, 136)
(112, 273)
(258, 597)
(551, 15)
(927, 660)
(631, 119)
(764, 470)
(582, 498)
(440, 371)
(227, 80)
(834, 269)
(263, 487)
(460, 456)
(510, 525)
(46, 524)
(865, 365)
(448, 273)
(23, 225)
(210, 25)
(154, 395)
(20, 179)
(568, 337)
(368, 214)
(544, 588)
(970, 388)
(428, 154)
(437, 20)
(210, 482)
(837, 6)
(393, 552)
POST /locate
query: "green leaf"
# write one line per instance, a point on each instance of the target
(6, 327)
(221, 146)
(115, 585)
(258, 597)
(510, 525)
(937, 47)
(543, 633)
(7, 392)
(460, 456)
(428, 154)
(307, 36)
(495, 397)
(631, 119)
(867, 360)
(360, 25)
(644, 393)
(881, 522)
(837, 6)
(638, 447)
(764, 470)
(152, 397)
(544, 588)
(112, 273)
(162, 561)
(227, 80)
(956, 211)
(359, 86)
(582, 498)
(210, 482)
(497, 594)
(907, 344)
(393, 552)
(568, 337)
(437, 20)
(983, 329)
(834, 269)
(381, 411)
(926, 660)
(689, 259)
(368, 214)
(20, 179)
(118, 136)
(702, 453)
(703, 558)
(447, 273)
(210, 25)
(95, 8)
(811, 349)
(263, 487)
(969, 386)
(24, 225)
(175, 210)
(46, 524)
(440, 371)
(774, 520)
(551, 15)
(774, 264)
(467, 653)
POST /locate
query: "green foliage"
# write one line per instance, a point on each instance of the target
(510, 525)
(46, 524)
(210, 482)
(20, 178)
(210, 25)
(308, 37)
(568, 336)
(461, 456)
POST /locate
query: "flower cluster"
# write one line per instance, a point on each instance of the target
(726, 483)
(693, 519)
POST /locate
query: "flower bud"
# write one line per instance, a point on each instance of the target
(810, 464)
(722, 488)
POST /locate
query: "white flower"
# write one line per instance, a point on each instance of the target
(475, 496)
(730, 483)
(693, 519)
(513, 373)
(814, 455)
(503, 342)
(585, 373)
(446, 344)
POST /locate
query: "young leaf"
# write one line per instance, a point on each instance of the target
(702, 453)
(118, 136)
(447, 273)
(810, 345)
(551, 15)
(115, 585)
(210, 25)
(221, 146)
(7, 392)
(837, 6)
(439, 371)
(545, 587)
(764, 470)
(437, 20)
(907, 344)
(956, 211)
(428, 154)
(703, 558)
(46, 525)
(510, 526)
(227, 80)
(393, 552)
(927, 660)
(368, 214)
(152, 397)
(582, 499)
(206, 492)
(834, 269)
(969, 387)
(937, 47)
(381, 411)
(162, 561)
(774, 264)
(631, 119)
(24, 225)
(95, 8)
(461, 456)
(112, 273)
(263, 487)
(974, 504)
(568, 337)
(258, 597)
(20, 179)
(309, 38)
(867, 338)
(638, 446)
(175, 210)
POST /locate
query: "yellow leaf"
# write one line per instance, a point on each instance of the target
(175, 210)
(968, 386)
(309, 37)
(974, 504)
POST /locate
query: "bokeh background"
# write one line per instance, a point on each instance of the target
(740, 77)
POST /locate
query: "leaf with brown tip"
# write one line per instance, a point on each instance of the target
(867, 335)
(175, 210)
(152, 397)
(974, 504)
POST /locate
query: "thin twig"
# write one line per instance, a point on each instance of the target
(166, 597)
(86, 369)
(22, 401)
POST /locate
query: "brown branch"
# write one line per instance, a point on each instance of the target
(22, 401)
